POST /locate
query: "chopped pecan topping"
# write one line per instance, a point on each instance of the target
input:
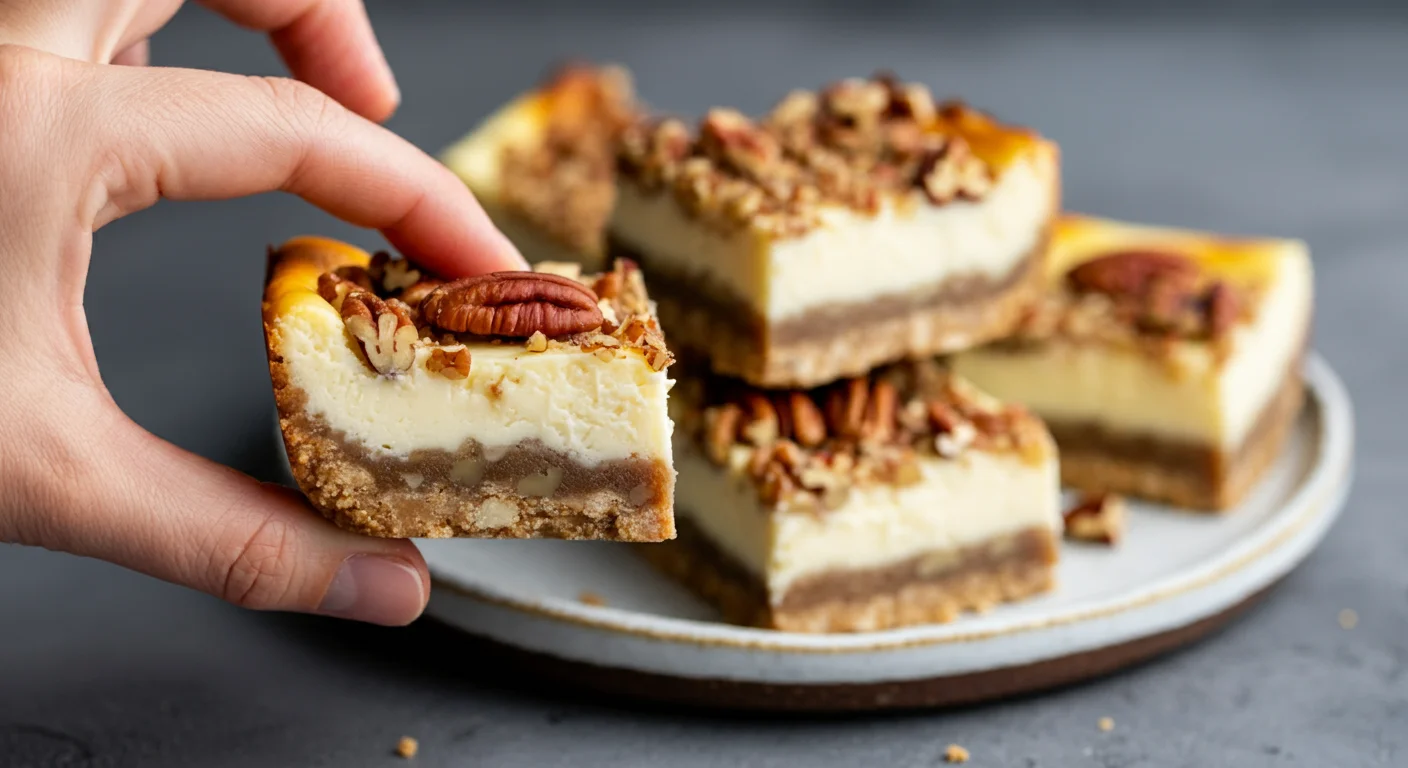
(384, 330)
(514, 304)
(450, 362)
(851, 145)
(813, 446)
(1097, 518)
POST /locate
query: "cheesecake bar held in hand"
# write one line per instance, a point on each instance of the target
(1166, 362)
(511, 405)
(850, 228)
(902, 497)
(544, 165)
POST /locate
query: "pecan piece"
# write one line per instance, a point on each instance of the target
(808, 426)
(1097, 518)
(881, 413)
(450, 362)
(953, 171)
(1223, 308)
(761, 425)
(1131, 273)
(728, 136)
(515, 304)
(845, 407)
(383, 328)
(415, 294)
(721, 431)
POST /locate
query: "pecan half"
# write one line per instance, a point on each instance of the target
(1131, 273)
(721, 429)
(516, 304)
(383, 328)
(808, 426)
(1223, 308)
(1097, 518)
(881, 413)
(760, 425)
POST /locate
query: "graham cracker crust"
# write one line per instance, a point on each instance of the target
(932, 588)
(529, 491)
(1196, 476)
(841, 340)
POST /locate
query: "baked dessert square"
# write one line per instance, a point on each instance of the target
(901, 497)
(849, 228)
(510, 405)
(1166, 362)
(544, 165)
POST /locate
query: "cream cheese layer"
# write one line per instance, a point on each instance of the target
(1189, 397)
(851, 257)
(958, 503)
(571, 401)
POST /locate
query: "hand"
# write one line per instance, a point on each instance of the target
(84, 141)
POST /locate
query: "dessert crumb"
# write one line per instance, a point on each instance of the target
(1107, 724)
(955, 754)
(1348, 618)
(407, 747)
(588, 597)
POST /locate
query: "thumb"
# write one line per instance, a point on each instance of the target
(138, 501)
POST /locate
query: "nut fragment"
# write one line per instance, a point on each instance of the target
(1223, 308)
(721, 425)
(1097, 518)
(450, 362)
(761, 425)
(1131, 273)
(383, 328)
(515, 304)
(537, 342)
(808, 426)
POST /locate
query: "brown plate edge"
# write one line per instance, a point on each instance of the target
(923, 693)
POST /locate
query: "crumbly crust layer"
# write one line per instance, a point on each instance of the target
(932, 588)
(1192, 475)
(833, 342)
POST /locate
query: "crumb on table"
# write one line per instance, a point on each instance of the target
(955, 754)
(588, 597)
(1107, 724)
(407, 747)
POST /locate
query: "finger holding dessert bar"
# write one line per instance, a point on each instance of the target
(509, 405)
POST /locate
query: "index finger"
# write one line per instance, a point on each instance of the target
(190, 134)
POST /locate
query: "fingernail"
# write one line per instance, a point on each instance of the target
(377, 590)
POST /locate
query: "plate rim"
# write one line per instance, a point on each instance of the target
(1317, 493)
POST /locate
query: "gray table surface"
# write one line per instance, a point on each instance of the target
(1297, 126)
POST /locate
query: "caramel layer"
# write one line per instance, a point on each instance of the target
(930, 588)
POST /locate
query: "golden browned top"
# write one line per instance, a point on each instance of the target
(391, 307)
(856, 143)
(565, 181)
(810, 447)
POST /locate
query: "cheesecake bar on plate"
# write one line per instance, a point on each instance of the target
(1165, 362)
(900, 497)
(510, 405)
(849, 228)
(544, 165)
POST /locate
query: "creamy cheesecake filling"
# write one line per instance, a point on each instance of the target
(957, 503)
(569, 401)
(852, 256)
(1188, 397)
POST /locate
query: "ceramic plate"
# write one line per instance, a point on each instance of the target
(1173, 578)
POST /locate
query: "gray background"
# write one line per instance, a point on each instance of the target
(1240, 118)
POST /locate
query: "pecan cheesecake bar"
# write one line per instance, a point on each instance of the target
(1166, 362)
(544, 165)
(511, 405)
(901, 497)
(847, 229)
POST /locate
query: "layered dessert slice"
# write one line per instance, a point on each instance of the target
(849, 228)
(544, 165)
(510, 405)
(1166, 362)
(902, 497)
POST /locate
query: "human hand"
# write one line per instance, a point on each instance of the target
(84, 142)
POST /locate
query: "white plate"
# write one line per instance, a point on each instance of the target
(1174, 571)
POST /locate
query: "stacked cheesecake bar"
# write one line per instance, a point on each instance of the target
(810, 265)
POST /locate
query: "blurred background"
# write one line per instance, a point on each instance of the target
(1281, 118)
